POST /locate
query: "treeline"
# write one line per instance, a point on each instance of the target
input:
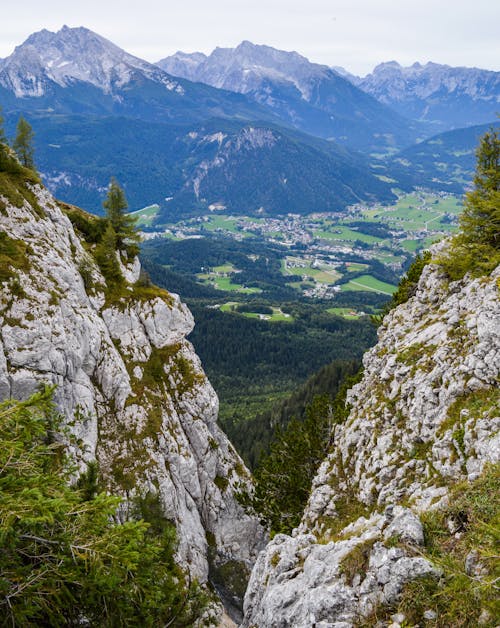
(253, 436)
(284, 476)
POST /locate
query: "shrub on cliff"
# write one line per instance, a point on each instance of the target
(62, 560)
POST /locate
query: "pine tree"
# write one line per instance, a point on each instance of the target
(62, 560)
(476, 248)
(480, 220)
(23, 144)
(105, 255)
(124, 224)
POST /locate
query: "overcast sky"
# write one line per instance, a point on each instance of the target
(356, 34)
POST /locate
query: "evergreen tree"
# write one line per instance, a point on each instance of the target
(480, 220)
(476, 248)
(62, 560)
(124, 224)
(105, 255)
(23, 144)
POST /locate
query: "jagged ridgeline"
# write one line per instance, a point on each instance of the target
(129, 411)
(401, 527)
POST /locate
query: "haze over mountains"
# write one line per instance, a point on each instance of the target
(252, 129)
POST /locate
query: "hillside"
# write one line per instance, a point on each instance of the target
(129, 386)
(388, 511)
(443, 162)
(192, 167)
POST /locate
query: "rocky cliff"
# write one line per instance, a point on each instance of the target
(128, 383)
(424, 417)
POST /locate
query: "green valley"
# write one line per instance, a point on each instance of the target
(277, 298)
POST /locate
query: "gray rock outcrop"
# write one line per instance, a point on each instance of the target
(129, 385)
(424, 417)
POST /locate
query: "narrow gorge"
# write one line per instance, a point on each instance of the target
(403, 512)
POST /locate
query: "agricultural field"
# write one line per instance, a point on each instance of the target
(310, 271)
(345, 312)
(221, 223)
(224, 278)
(275, 316)
(367, 282)
(146, 215)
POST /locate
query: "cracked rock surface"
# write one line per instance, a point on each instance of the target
(128, 383)
(424, 416)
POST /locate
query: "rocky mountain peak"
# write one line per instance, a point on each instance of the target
(244, 68)
(72, 54)
(449, 96)
(424, 80)
(183, 64)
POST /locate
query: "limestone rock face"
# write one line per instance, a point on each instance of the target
(424, 416)
(128, 383)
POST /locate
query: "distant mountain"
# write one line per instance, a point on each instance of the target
(77, 71)
(183, 64)
(447, 96)
(313, 98)
(254, 169)
(242, 166)
(444, 162)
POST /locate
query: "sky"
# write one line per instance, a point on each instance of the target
(355, 34)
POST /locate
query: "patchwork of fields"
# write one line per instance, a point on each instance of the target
(364, 250)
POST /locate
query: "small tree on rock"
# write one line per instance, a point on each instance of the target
(23, 144)
(476, 248)
(105, 255)
(124, 225)
(480, 220)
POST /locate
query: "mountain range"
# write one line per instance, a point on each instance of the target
(438, 96)
(444, 96)
(250, 128)
(311, 97)
(77, 71)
